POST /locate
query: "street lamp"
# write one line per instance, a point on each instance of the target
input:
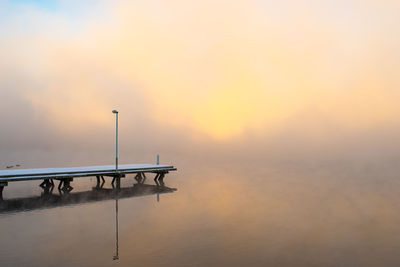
(116, 139)
(116, 257)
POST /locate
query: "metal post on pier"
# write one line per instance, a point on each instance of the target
(116, 139)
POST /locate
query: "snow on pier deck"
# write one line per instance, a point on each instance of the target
(62, 173)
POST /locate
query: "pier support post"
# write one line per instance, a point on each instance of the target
(137, 178)
(159, 179)
(140, 177)
(156, 178)
(100, 181)
(117, 181)
(60, 184)
(48, 186)
(2, 185)
(47, 183)
(65, 185)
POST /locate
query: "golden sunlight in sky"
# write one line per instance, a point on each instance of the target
(222, 69)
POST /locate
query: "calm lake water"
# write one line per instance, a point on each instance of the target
(217, 216)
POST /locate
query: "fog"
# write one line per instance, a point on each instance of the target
(200, 83)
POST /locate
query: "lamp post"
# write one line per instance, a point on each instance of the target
(116, 139)
(116, 257)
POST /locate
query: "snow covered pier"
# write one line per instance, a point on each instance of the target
(66, 175)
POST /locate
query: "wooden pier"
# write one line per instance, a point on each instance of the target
(66, 175)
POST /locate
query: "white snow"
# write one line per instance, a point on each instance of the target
(4, 174)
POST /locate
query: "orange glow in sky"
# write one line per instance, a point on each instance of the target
(221, 69)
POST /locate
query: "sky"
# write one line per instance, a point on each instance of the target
(251, 80)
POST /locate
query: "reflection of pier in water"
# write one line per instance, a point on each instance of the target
(98, 193)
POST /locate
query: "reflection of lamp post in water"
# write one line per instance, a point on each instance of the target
(116, 257)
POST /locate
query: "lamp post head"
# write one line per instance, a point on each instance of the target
(115, 111)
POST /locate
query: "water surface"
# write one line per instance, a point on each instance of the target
(254, 216)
